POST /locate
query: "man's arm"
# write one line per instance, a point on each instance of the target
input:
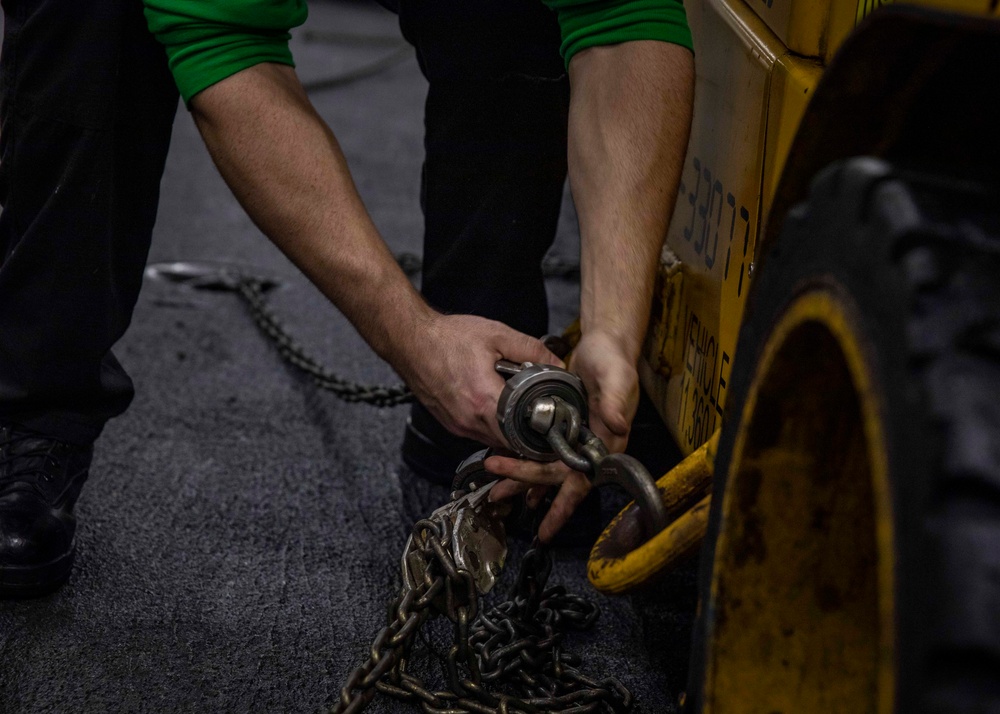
(286, 168)
(630, 115)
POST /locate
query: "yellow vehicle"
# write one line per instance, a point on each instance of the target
(825, 349)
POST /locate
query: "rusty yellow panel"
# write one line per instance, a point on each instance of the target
(793, 82)
(799, 24)
(662, 338)
(705, 274)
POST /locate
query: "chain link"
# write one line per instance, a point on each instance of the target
(251, 290)
(507, 660)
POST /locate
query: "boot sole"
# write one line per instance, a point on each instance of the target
(19, 582)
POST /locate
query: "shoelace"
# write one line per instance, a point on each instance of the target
(40, 458)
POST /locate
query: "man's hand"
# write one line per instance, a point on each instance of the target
(630, 113)
(613, 396)
(448, 362)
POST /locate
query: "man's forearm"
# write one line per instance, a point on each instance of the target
(287, 170)
(630, 116)
(284, 165)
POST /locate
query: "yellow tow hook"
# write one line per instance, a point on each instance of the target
(620, 561)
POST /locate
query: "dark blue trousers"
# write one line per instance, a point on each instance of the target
(495, 143)
(495, 165)
(86, 109)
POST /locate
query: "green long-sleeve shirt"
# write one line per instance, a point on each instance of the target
(209, 40)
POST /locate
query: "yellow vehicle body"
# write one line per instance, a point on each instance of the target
(758, 64)
(806, 506)
(783, 89)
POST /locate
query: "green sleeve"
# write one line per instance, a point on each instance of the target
(587, 23)
(209, 40)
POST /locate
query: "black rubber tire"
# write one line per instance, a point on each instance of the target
(919, 257)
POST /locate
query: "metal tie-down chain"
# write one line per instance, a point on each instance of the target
(510, 658)
(507, 659)
(253, 294)
(252, 289)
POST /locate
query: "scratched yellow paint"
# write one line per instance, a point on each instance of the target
(706, 271)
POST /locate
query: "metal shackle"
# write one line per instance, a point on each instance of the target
(516, 406)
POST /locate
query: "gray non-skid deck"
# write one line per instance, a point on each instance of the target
(240, 533)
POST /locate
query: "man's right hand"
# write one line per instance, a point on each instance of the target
(448, 361)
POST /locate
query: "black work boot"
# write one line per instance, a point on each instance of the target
(40, 480)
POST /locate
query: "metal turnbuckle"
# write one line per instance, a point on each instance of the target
(542, 412)
(526, 384)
